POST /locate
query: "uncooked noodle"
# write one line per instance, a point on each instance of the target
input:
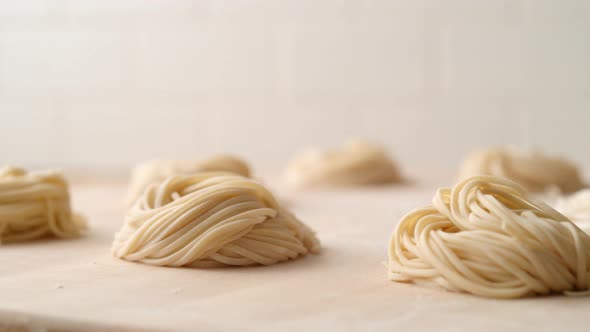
(155, 171)
(487, 237)
(534, 171)
(34, 205)
(577, 208)
(211, 219)
(356, 163)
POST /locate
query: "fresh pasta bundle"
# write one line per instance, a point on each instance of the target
(34, 205)
(488, 237)
(577, 208)
(532, 170)
(211, 219)
(355, 164)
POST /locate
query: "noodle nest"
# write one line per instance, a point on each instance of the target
(35, 205)
(488, 237)
(211, 219)
(534, 171)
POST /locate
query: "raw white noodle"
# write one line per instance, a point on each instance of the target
(532, 170)
(488, 237)
(34, 205)
(211, 219)
(155, 171)
(577, 208)
(356, 163)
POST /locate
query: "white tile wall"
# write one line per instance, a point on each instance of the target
(205, 58)
(128, 10)
(104, 84)
(60, 60)
(31, 133)
(551, 11)
(358, 60)
(560, 126)
(482, 61)
(119, 133)
(24, 9)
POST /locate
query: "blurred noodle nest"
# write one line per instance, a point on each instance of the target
(577, 208)
(356, 163)
(534, 171)
(35, 205)
(487, 237)
(155, 171)
(211, 219)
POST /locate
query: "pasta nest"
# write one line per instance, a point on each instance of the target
(211, 219)
(534, 171)
(487, 237)
(577, 208)
(356, 163)
(35, 205)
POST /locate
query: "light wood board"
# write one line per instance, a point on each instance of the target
(72, 285)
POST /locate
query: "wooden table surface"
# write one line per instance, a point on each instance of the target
(73, 285)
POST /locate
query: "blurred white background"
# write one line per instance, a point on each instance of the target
(100, 85)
